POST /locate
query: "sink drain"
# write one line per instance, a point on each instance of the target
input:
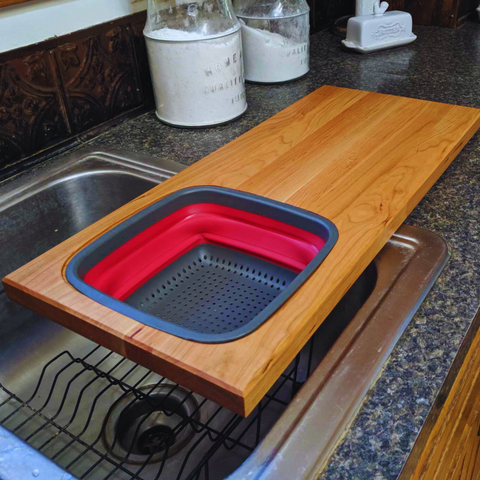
(151, 426)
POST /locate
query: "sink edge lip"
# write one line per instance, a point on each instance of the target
(299, 425)
(45, 175)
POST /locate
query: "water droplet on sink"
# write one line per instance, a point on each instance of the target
(35, 473)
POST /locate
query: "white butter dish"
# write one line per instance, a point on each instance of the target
(369, 33)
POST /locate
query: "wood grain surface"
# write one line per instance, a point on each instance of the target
(452, 449)
(363, 160)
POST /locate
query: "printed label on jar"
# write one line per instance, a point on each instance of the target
(271, 57)
(222, 86)
(295, 51)
(238, 98)
(199, 83)
(225, 73)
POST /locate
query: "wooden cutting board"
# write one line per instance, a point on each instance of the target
(363, 160)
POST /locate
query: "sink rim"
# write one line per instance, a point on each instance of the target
(327, 402)
(62, 169)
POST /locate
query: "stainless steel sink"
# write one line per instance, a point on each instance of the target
(98, 415)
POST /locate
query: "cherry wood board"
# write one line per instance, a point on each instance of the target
(363, 160)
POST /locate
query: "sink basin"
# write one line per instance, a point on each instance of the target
(99, 415)
(53, 202)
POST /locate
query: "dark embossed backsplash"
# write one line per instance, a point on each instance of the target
(52, 92)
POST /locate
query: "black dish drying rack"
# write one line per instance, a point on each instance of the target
(31, 419)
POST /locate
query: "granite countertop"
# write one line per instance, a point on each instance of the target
(442, 65)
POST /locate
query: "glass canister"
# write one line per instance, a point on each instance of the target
(275, 37)
(196, 61)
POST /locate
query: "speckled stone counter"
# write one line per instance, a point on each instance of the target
(442, 65)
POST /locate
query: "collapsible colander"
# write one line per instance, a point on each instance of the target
(207, 264)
